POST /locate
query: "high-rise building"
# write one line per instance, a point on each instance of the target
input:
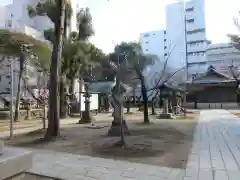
(222, 56)
(184, 42)
(153, 43)
(186, 35)
(20, 15)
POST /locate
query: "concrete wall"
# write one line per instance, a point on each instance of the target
(213, 105)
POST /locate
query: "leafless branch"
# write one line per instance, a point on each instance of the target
(165, 65)
(234, 73)
(166, 80)
(42, 95)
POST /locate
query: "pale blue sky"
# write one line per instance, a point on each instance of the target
(118, 20)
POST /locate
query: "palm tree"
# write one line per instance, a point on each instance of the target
(23, 47)
(85, 30)
(77, 53)
(59, 12)
(51, 9)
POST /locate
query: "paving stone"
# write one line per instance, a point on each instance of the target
(220, 175)
(233, 175)
(215, 155)
(205, 174)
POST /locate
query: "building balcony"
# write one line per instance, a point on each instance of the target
(190, 15)
(196, 36)
(196, 47)
(196, 59)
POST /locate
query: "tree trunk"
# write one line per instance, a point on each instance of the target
(153, 106)
(71, 92)
(237, 92)
(17, 104)
(53, 113)
(71, 87)
(44, 116)
(63, 98)
(145, 101)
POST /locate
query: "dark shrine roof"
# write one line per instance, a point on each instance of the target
(212, 76)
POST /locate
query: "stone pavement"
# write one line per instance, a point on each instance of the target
(215, 155)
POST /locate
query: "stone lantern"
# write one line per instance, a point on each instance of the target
(165, 93)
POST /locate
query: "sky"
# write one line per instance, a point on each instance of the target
(123, 20)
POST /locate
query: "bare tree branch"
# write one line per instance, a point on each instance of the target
(42, 95)
(166, 80)
(165, 65)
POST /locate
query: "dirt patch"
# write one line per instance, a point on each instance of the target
(159, 143)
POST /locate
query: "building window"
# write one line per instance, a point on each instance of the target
(190, 20)
(165, 40)
(165, 47)
(165, 32)
(189, 9)
(146, 35)
(146, 49)
(196, 31)
(165, 54)
(198, 53)
(153, 33)
(196, 42)
(146, 42)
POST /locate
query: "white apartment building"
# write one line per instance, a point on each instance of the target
(223, 55)
(14, 17)
(16, 14)
(186, 35)
(153, 42)
(40, 23)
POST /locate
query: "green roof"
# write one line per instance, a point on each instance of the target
(101, 87)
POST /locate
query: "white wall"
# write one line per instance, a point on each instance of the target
(175, 35)
(5, 16)
(152, 42)
(40, 23)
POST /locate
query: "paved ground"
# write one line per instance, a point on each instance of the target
(215, 156)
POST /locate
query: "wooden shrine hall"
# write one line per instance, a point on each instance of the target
(212, 90)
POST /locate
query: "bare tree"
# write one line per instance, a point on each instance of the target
(39, 91)
(234, 70)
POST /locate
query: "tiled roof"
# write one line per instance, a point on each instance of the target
(105, 87)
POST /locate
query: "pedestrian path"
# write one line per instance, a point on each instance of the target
(216, 148)
(215, 155)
